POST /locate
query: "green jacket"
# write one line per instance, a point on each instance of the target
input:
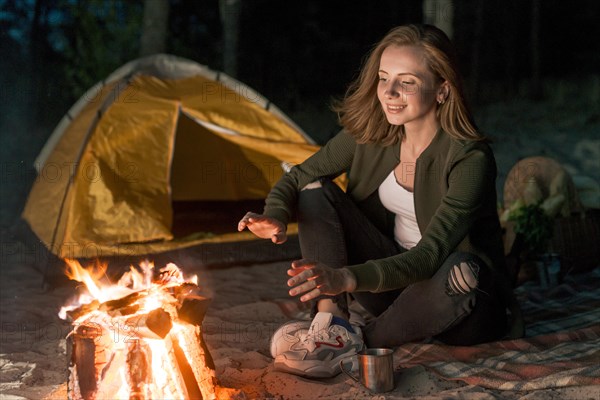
(454, 194)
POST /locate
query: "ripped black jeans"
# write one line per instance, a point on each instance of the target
(459, 305)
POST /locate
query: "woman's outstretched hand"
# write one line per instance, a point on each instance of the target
(315, 279)
(264, 227)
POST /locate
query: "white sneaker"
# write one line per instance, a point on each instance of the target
(318, 351)
(287, 335)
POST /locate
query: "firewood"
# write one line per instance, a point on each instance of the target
(123, 306)
(186, 371)
(186, 288)
(73, 315)
(126, 301)
(139, 369)
(172, 381)
(207, 356)
(193, 309)
(119, 350)
(112, 378)
(200, 360)
(153, 325)
(91, 351)
(159, 322)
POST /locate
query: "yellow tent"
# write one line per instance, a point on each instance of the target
(159, 130)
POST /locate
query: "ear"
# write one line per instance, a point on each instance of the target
(443, 92)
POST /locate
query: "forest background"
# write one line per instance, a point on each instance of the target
(531, 66)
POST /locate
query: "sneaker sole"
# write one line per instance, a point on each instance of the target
(312, 368)
(316, 371)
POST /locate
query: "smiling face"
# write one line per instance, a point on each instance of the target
(407, 90)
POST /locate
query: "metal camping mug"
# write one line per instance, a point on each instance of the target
(375, 369)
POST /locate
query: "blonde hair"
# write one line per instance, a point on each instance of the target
(360, 112)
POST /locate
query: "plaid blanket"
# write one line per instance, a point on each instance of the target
(562, 346)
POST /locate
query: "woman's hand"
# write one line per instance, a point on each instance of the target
(264, 227)
(315, 279)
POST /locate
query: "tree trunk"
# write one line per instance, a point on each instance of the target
(230, 19)
(510, 43)
(441, 14)
(154, 27)
(536, 84)
(35, 54)
(476, 49)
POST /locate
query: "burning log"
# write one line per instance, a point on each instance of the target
(143, 345)
(193, 309)
(89, 344)
(72, 315)
(153, 325)
(122, 306)
(138, 369)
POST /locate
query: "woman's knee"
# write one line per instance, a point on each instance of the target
(463, 275)
(462, 278)
(312, 185)
(319, 192)
(312, 200)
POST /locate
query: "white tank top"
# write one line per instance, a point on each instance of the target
(400, 201)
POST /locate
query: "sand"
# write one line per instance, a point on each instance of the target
(237, 329)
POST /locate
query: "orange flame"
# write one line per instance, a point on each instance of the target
(136, 279)
(118, 330)
(89, 276)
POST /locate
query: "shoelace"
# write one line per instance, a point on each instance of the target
(315, 336)
(309, 339)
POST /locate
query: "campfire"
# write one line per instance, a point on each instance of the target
(140, 338)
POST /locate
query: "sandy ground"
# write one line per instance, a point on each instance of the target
(237, 329)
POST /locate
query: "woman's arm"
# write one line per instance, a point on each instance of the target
(313, 279)
(330, 161)
(264, 227)
(470, 180)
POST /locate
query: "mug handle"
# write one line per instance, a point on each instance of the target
(346, 372)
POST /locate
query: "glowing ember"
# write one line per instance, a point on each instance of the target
(140, 338)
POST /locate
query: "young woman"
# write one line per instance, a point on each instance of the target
(416, 238)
